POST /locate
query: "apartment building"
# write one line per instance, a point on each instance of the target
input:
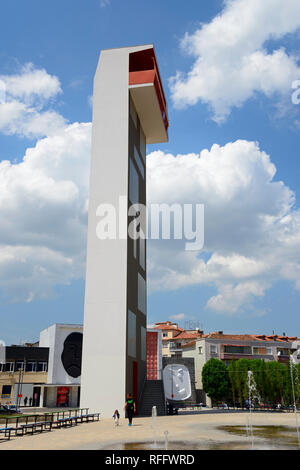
(23, 373)
(232, 347)
(174, 337)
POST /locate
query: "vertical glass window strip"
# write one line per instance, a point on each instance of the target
(133, 184)
(133, 113)
(141, 294)
(131, 336)
(139, 162)
(143, 343)
(134, 244)
(142, 253)
(143, 145)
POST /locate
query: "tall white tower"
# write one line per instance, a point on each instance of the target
(129, 111)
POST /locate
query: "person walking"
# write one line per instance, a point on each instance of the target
(25, 401)
(130, 408)
(116, 417)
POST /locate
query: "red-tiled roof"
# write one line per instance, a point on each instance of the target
(248, 337)
(168, 327)
(233, 337)
(185, 335)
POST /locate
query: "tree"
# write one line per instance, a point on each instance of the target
(233, 380)
(215, 380)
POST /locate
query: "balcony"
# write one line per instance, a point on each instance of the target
(147, 93)
(230, 356)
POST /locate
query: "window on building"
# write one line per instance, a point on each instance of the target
(131, 334)
(42, 367)
(134, 244)
(31, 366)
(133, 113)
(6, 391)
(200, 349)
(133, 184)
(232, 349)
(269, 351)
(283, 351)
(165, 335)
(143, 343)
(142, 253)
(141, 294)
(143, 144)
(260, 351)
(138, 161)
(213, 349)
(9, 367)
(19, 365)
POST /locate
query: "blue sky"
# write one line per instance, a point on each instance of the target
(228, 86)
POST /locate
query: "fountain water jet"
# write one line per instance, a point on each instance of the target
(253, 395)
(293, 361)
(154, 425)
(166, 439)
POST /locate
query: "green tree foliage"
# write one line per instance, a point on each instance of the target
(273, 381)
(215, 380)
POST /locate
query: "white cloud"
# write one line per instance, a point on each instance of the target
(252, 229)
(232, 298)
(43, 204)
(31, 83)
(178, 316)
(27, 94)
(104, 3)
(232, 61)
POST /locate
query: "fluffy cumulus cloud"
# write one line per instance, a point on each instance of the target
(252, 228)
(43, 211)
(232, 60)
(43, 199)
(26, 103)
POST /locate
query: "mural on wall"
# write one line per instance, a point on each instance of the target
(71, 355)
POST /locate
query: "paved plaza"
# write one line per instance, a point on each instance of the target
(201, 428)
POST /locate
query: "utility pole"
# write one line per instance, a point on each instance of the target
(20, 383)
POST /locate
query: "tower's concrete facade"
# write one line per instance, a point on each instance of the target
(129, 111)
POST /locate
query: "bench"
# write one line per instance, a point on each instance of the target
(66, 421)
(90, 416)
(6, 432)
(38, 426)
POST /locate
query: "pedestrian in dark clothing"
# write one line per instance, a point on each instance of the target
(130, 408)
(25, 401)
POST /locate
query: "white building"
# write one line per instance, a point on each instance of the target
(64, 367)
(129, 111)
